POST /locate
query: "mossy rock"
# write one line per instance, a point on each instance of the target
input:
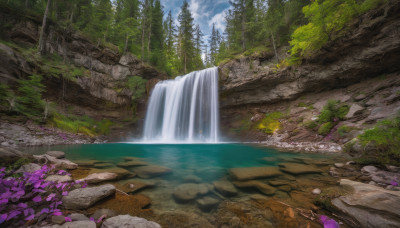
(325, 128)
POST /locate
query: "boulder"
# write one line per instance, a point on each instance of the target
(58, 219)
(370, 205)
(381, 176)
(9, 156)
(83, 198)
(132, 163)
(187, 192)
(119, 72)
(74, 224)
(56, 154)
(95, 178)
(78, 217)
(297, 169)
(262, 187)
(132, 186)
(150, 171)
(28, 168)
(127, 221)
(58, 178)
(251, 173)
(354, 110)
(207, 203)
(59, 163)
(226, 188)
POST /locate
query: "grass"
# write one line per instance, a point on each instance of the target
(84, 125)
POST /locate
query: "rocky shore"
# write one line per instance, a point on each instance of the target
(295, 193)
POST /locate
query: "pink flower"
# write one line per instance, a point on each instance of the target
(68, 219)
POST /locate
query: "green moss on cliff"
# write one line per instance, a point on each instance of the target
(270, 123)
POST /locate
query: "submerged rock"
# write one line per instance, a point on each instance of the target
(106, 213)
(191, 179)
(226, 188)
(127, 221)
(100, 177)
(207, 203)
(132, 163)
(183, 219)
(30, 168)
(187, 192)
(132, 186)
(370, 205)
(297, 169)
(151, 171)
(262, 187)
(120, 172)
(251, 173)
(56, 154)
(83, 198)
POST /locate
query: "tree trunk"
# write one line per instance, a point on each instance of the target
(273, 44)
(126, 43)
(41, 38)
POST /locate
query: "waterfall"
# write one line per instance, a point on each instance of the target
(184, 110)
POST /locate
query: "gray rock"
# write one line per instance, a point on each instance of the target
(393, 168)
(56, 154)
(339, 165)
(58, 219)
(30, 168)
(58, 178)
(132, 163)
(370, 205)
(78, 217)
(127, 221)
(9, 156)
(59, 163)
(354, 109)
(187, 192)
(95, 178)
(79, 224)
(119, 72)
(83, 198)
(369, 169)
(207, 203)
(106, 213)
(226, 188)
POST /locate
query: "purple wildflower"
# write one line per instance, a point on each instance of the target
(37, 199)
(328, 222)
(394, 183)
(68, 219)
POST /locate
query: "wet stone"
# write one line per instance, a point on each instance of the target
(105, 213)
(226, 188)
(151, 171)
(251, 173)
(188, 192)
(56, 154)
(58, 219)
(207, 203)
(78, 217)
(262, 187)
(132, 186)
(192, 179)
(298, 169)
(58, 178)
(132, 163)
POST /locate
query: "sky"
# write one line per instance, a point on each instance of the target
(204, 12)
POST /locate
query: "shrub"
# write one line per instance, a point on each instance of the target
(343, 130)
(138, 87)
(5, 94)
(270, 123)
(311, 124)
(29, 100)
(84, 125)
(325, 128)
(385, 137)
(333, 111)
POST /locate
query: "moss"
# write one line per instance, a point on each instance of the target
(310, 124)
(343, 130)
(304, 105)
(325, 128)
(84, 125)
(333, 111)
(270, 123)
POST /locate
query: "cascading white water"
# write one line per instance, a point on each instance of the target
(184, 110)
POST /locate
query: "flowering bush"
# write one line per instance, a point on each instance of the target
(30, 196)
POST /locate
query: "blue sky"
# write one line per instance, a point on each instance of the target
(204, 12)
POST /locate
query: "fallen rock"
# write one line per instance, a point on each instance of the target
(56, 154)
(58, 178)
(132, 163)
(370, 205)
(59, 163)
(78, 217)
(127, 221)
(28, 168)
(297, 169)
(151, 171)
(83, 198)
(252, 173)
(95, 178)
(106, 213)
(207, 203)
(262, 187)
(226, 188)
(187, 192)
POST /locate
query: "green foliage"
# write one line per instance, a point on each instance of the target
(343, 130)
(29, 101)
(325, 128)
(304, 105)
(385, 137)
(20, 162)
(311, 124)
(138, 87)
(270, 123)
(84, 125)
(327, 19)
(333, 111)
(5, 94)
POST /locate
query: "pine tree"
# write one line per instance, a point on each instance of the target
(157, 37)
(187, 49)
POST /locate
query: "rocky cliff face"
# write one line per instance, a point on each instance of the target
(100, 92)
(361, 70)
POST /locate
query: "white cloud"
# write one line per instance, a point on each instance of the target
(219, 20)
(194, 8)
